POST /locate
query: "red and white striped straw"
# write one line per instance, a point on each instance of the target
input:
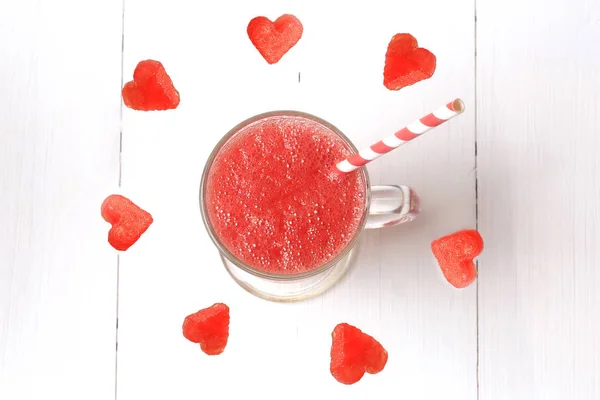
(404, 135)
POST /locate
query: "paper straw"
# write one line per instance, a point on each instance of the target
(404, 135)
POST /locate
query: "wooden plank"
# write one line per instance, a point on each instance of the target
(539, 199)
(59, 158)
(395, 292)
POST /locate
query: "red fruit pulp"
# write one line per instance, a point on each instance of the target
(353, 353)
(209, 327)
(406, 63)
(455, 253)
(274, 199)
(274, 39)
(151, 89)
(128, 221)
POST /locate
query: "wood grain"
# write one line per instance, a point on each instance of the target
(59, 148)
(395, 292)
(539, 199)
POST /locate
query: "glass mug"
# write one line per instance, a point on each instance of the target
(384, 205)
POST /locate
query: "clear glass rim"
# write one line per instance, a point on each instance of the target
(239, 263)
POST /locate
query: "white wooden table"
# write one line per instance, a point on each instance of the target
(520, 165)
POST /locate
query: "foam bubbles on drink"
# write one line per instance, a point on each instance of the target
(275, 200)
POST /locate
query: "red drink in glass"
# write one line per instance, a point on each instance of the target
(285, 221)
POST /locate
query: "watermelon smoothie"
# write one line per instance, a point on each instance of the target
(273, 200)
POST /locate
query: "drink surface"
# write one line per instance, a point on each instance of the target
(274, 200)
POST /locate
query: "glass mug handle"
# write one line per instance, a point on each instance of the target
(392, 205)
